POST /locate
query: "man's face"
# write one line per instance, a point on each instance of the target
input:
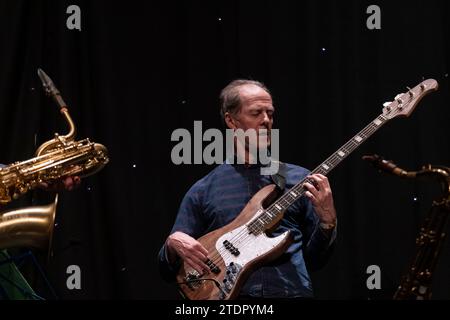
(256, 112)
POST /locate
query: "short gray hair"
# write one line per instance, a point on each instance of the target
(230, 100)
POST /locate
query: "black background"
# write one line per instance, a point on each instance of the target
(139, 70)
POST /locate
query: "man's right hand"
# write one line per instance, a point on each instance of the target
(190, 250)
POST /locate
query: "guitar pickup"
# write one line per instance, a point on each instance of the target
(212, 266)
(230, 247)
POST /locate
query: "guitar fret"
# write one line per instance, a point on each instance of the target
(335, 160)
(251, 228)
(290, 197)
(283, 206)
(299, 189)
(352, 144)
(288, 200)
(261, 223)
(269, 214)
(377, 122)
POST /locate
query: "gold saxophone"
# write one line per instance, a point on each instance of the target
(55, 159)
(417, 281)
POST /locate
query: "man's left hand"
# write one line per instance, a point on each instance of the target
(68, 184)
(322, 198)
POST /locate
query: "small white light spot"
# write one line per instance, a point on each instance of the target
(220, 19)
(134, 166)
(88, 188)
(323, 49)
(415, 198)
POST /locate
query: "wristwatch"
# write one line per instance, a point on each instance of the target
(327, 226)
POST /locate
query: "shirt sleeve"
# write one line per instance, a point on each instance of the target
(167, 270)
(189, 220)
(318, 243)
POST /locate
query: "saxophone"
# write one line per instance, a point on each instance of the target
(417, 281)
(55, 159)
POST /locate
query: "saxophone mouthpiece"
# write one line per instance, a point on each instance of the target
(50, 88)
(385, 165)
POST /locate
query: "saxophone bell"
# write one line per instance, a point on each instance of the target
(28, 227)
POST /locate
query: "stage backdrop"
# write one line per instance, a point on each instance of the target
(132, 72)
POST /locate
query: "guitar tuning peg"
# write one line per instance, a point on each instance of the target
(411, 93)
(386, 104)
(397, 96)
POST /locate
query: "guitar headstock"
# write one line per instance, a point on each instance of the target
(405, 103)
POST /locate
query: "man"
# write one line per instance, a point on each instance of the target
(219, 197)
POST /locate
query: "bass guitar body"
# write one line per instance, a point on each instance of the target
(235, 251)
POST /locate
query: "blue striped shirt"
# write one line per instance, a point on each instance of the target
(219, 197)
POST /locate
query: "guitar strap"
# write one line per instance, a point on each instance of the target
(279, 178)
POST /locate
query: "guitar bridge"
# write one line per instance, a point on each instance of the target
(193, 280)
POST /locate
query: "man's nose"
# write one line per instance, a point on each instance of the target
(266, 118)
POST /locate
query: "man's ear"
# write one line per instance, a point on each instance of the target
(230, 121)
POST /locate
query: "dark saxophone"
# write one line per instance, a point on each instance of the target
(416, 283)
(55, 159)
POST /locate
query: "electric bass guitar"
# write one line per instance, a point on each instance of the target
(243, 245)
